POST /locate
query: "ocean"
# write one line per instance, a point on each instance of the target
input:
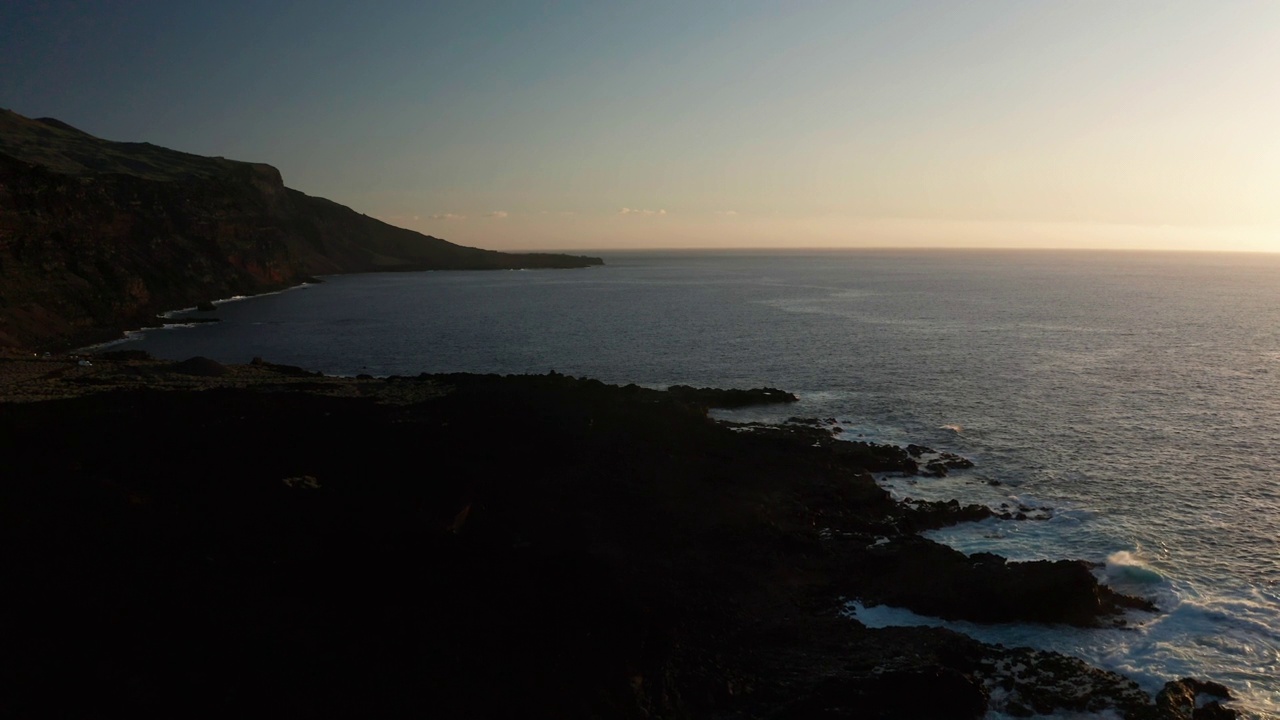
(1136, 395)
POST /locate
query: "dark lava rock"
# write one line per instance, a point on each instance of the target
(946, 461)
(718, 398)
(876, 458)
(1177, 701)
(934, 469)
(622, 556)
(206, 306)
(929, 692)
(917, 450)
(1036, 682)
(201, 367)
(920, 515)
(932, 579)
(955, 462)
(1213, 710)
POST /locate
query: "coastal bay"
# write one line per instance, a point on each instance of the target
(650, 360)
(99, 237)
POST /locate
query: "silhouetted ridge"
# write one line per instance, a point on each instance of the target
(59, 124)
(98, 236)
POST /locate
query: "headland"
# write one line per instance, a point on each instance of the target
(98, 237)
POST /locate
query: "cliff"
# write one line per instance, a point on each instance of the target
(99, 236)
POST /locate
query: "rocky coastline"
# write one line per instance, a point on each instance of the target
(98, 237)
(199, 539)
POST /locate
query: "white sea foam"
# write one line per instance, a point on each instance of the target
(1124, 566)
(1214, 633)
(1134, 395)
(238, 298)
(1212, 638)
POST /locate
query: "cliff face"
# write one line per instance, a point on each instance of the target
(97, 236)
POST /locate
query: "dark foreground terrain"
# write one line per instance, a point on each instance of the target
(192, 539)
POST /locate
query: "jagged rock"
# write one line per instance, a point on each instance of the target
(918, 515)
(925, 693)
(1182, 700)
(715, 397)
(876, 458)
(933, 579)
(1031, 682)
(302, 482)
(956, 462)
(621, 556)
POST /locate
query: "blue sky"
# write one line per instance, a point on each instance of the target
(702, 124)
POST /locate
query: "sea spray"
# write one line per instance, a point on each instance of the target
(1135, 395)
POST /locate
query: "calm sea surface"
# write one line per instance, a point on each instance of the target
(1136, 394)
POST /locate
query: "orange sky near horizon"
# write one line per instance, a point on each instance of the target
(718, 123)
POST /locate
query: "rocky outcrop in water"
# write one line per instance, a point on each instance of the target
(932, 579)
(97, 236)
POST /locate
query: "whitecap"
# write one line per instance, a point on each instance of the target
(1125, 566)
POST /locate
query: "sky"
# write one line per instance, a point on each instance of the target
(700, 123)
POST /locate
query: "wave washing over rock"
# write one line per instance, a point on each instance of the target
(1130, 396)
(354, 545)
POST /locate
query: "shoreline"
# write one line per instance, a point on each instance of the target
(165, 317)
(95, 339)
(624, 555)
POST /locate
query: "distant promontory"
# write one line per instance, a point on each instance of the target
(99, 236)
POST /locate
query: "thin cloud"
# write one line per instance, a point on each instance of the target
(497, 214)
(638, 211)
(727, 213)
(448, 216)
